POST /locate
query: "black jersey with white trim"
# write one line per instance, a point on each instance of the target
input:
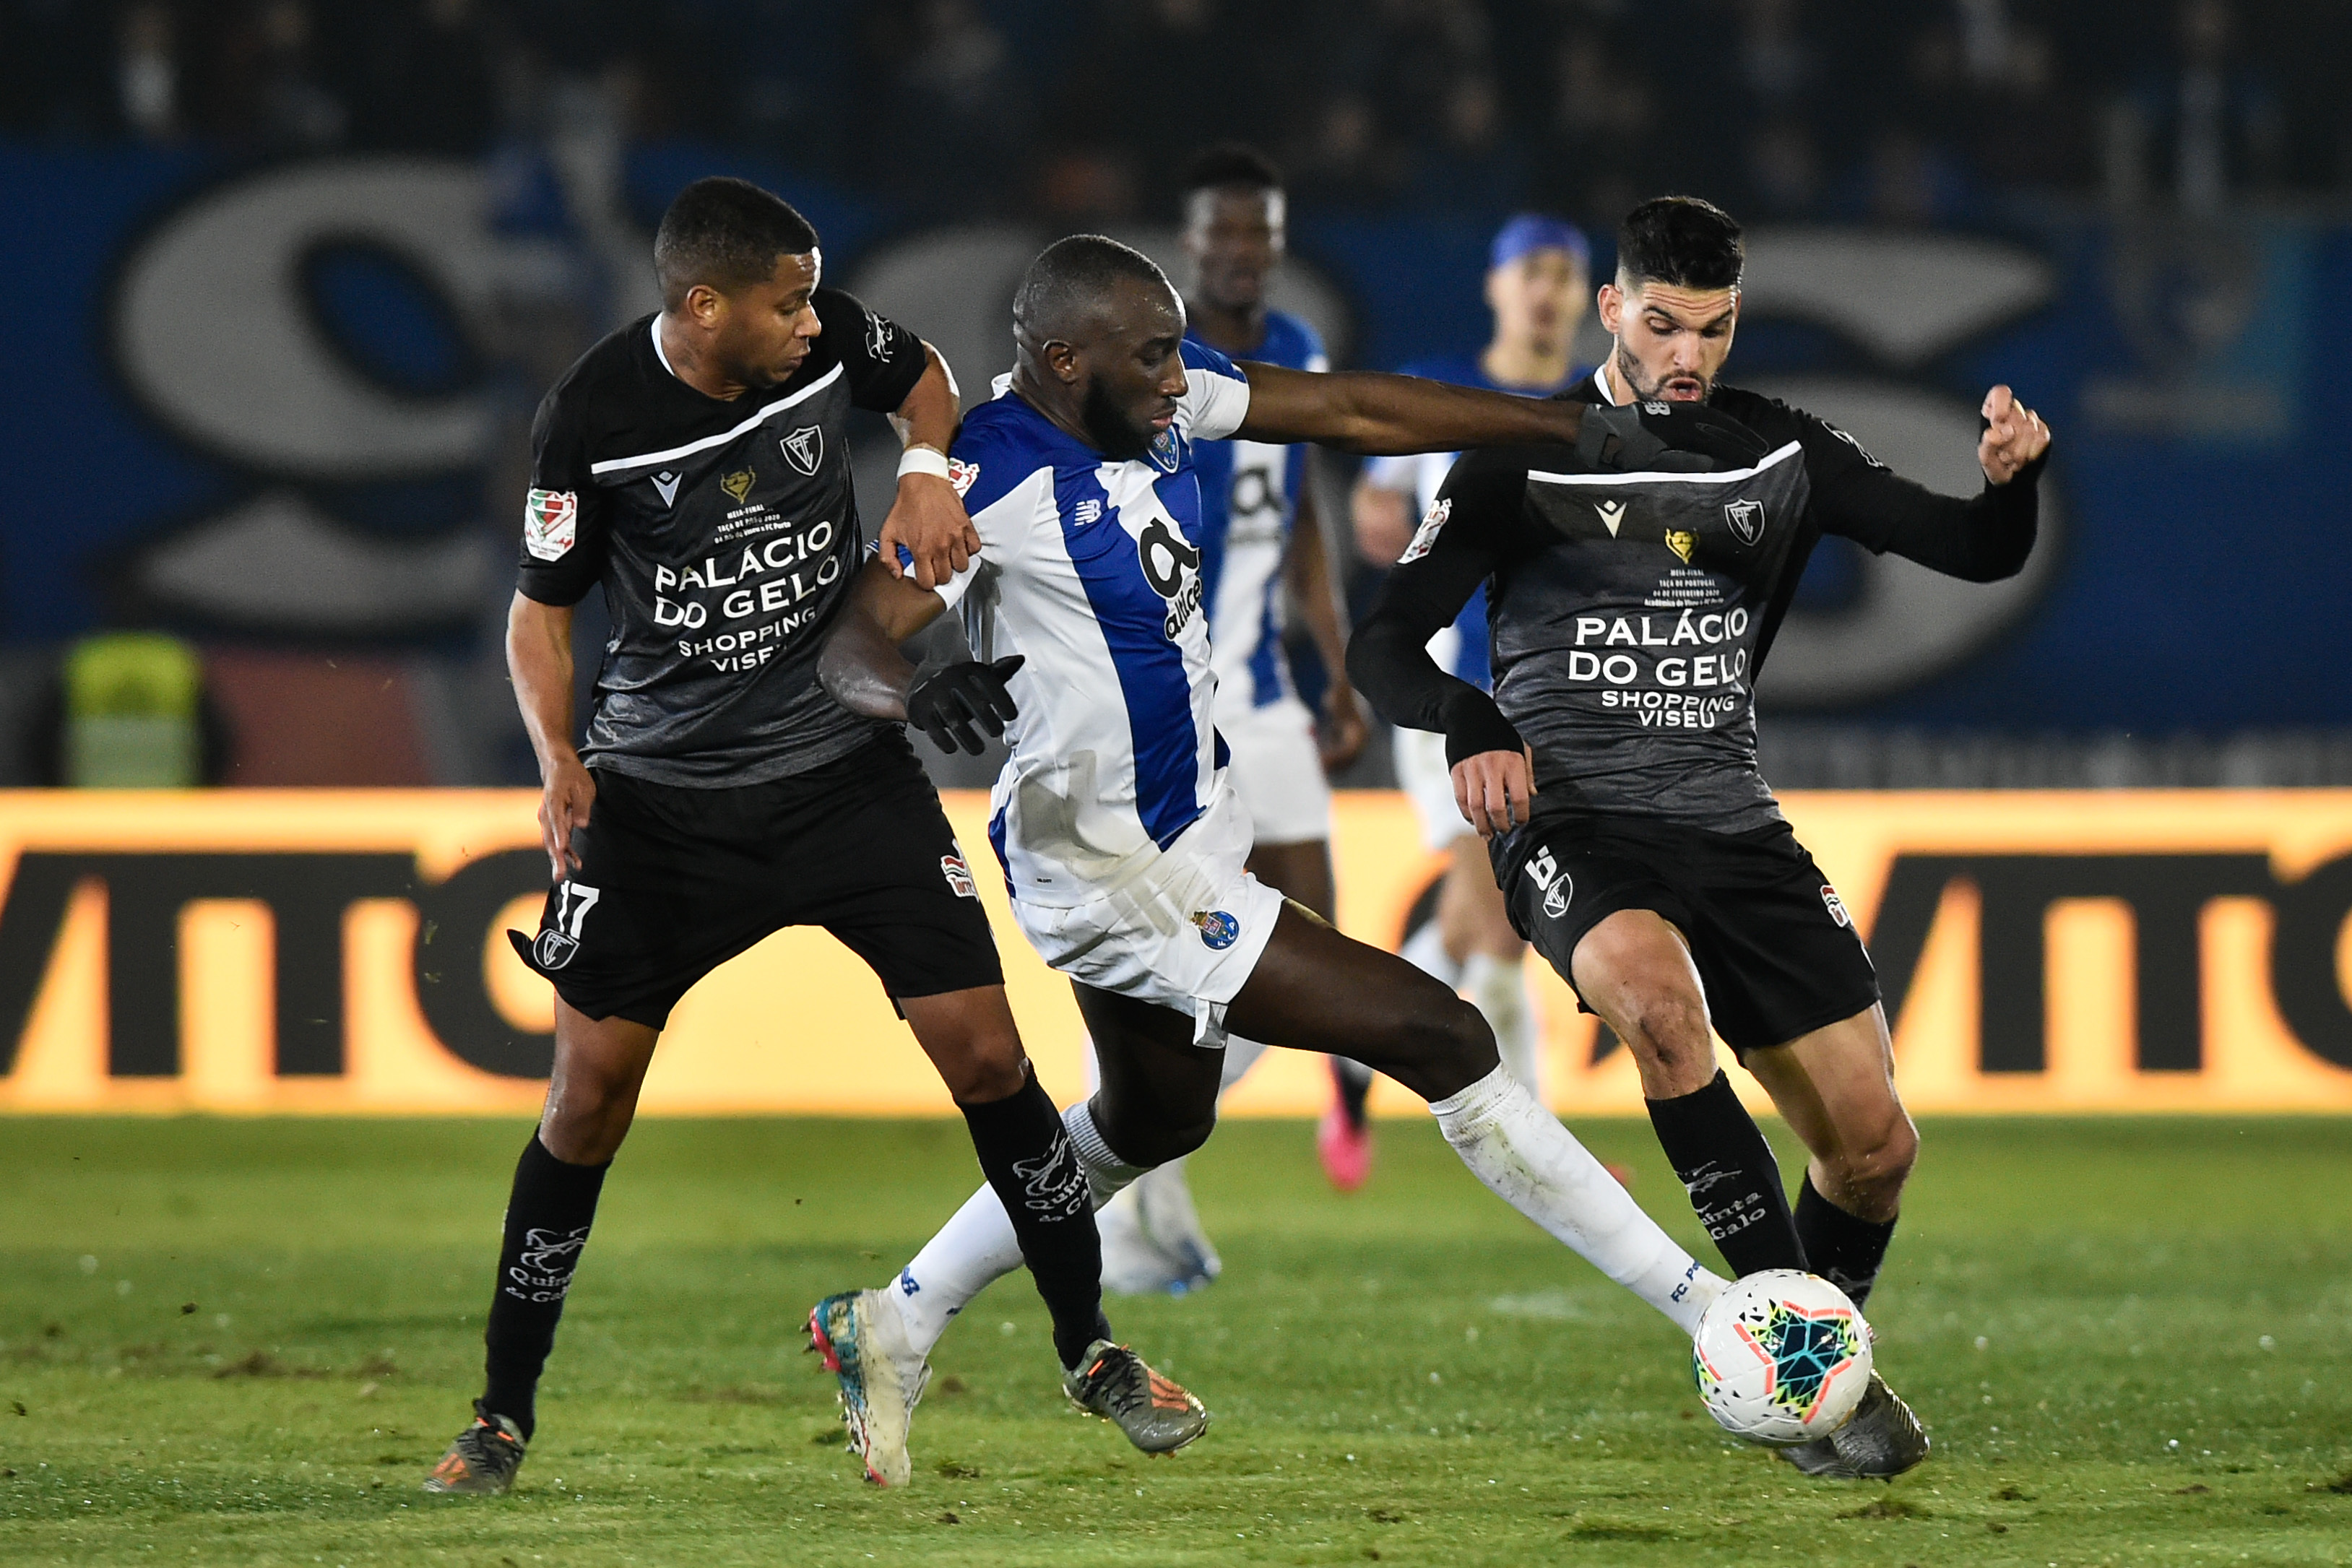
(1629, 613)
(725, 535)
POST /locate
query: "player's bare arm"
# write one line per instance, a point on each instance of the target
(1316, 591)
(927, 519)
(1375, 413)
(864, 671)
(539, 658)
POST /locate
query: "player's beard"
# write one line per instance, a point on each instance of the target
(1113, 433)
(1630, 373)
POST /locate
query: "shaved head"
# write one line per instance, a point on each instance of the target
(1072, 288)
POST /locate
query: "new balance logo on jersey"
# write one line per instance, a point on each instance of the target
(804, 448)
(666, 486)
(1086, 512)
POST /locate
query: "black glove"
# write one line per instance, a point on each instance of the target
(955, 702)
(1656, 438)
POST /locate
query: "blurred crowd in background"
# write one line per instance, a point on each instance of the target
(1853, 110)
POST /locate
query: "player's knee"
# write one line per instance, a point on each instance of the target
(1873, 1169)
(1668, 1025)
(994, 1068)
(1454, 1044)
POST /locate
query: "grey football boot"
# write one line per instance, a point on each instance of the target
(1112, 1382)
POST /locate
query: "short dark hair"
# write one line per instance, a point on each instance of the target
(727, 233)
(1070, 276)
(1682, 242)
(1229, 165)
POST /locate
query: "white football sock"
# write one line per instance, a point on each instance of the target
(1535, 1164)
(1425, 951)
(1497, 987)
(1240, 1055)
(976, 1247)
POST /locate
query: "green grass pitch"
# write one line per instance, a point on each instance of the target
(245, 1341)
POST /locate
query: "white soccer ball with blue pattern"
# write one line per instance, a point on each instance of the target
(1781, 1357)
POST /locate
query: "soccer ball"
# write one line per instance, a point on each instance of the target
(1781, 1357)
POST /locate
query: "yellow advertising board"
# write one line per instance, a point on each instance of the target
(345, 952)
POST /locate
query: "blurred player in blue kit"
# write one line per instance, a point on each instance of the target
(1538, 278)
(1261, 542)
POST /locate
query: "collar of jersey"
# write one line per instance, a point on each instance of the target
(1054, 443)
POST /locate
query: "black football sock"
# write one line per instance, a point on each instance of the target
(1844, 1248)
(1025, 1152)
(1355, 1081)
(548, 1218)
(1721, 1158)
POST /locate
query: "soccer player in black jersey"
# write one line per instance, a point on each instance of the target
(695, 464)
(1642, 851)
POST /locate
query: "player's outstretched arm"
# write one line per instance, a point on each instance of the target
(539, 658)
(927, 518)
(1376, 414)
(863, 670)
(1984, 539)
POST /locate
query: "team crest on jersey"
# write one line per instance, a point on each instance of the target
(550, 522)
(959, 876)
(1218, 929)
(1747, 519)
(804, 449)
(1163, 451)
(1683, 542)
(738, 483)
(1835, 906)
(963, 475)
(1425, 538)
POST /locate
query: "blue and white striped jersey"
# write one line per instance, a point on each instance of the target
(1091, 568)
(1460, 650)
(1249, 502)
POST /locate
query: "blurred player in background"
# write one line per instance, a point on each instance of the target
(1261, 541)
(1538, 274)
(1645, 856)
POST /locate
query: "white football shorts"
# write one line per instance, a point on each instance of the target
(1423, 774)
(1277, 769)
(1185, 928)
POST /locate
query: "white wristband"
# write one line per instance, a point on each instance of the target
(921, 459)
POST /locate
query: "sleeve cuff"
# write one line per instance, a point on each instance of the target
(1474, 724)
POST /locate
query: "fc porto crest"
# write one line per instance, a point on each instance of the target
(1218, 929)
(1163, 451)
(804, 448)
(1746, 518)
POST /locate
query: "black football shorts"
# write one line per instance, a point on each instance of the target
(674, 882)
(1774, 947)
